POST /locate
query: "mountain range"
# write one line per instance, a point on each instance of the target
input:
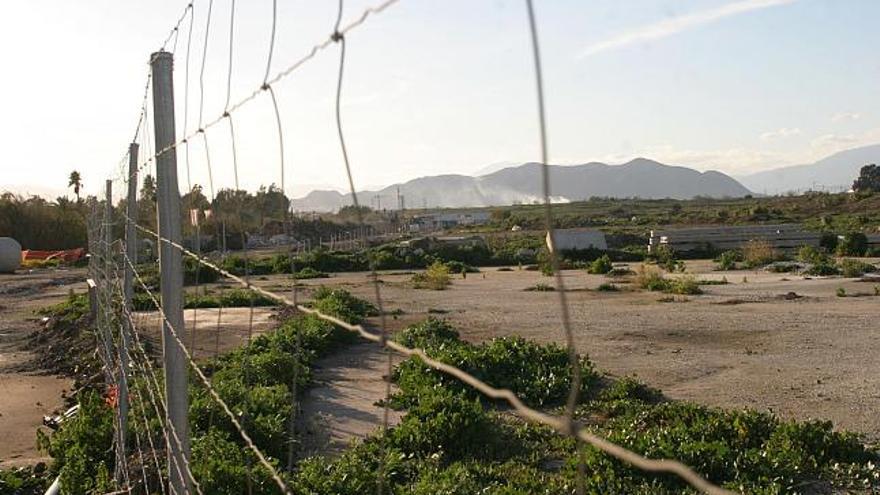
(641, 178)
(836, 172)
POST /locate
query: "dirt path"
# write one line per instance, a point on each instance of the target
(341, 407)
(26, 393)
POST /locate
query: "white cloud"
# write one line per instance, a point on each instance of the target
(670, 27)
(845, 116)
(828, 144)
(782, 132)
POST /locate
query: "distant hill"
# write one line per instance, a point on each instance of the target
(638, 178)
(836, 171)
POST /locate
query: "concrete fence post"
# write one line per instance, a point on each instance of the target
(171, 268)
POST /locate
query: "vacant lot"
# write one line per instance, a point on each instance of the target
(26, 391)
(749, 343)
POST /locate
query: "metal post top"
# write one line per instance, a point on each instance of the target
(161, 56)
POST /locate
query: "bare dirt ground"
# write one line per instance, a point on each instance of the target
(341, 407)
(211, 337)
(745, 344)
(27, 392)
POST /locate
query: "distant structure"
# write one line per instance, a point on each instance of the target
(784, 237)
(432, 222)
(577, 239)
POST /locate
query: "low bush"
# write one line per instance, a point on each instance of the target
(342, 304)
(607, 287)
(601, 265)
(758, 253)
(728, 260)
(436, 277)
(823, 269)
(648, 277)
(851, 268)
(619, 272)
(539, 374)
(853, 244)
(685, 285)
(309, 273)
(229, 298)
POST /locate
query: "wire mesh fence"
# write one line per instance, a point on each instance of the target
(153, 395)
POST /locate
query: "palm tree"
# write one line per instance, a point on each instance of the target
(75, 181)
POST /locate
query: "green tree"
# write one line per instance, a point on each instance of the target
(868, 179)
(75, 181)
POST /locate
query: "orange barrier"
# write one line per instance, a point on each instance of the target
(67, 255)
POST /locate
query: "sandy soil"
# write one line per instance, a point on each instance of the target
(745, 344)
(211, 337)
(341, 407)
(26, 393)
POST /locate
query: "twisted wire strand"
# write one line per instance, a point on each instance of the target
(310, 54)
(574, 361)
(339, 37)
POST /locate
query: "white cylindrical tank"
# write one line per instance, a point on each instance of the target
(10, 255)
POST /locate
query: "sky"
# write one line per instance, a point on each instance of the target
(437, 87)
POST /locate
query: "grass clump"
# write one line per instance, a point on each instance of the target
(649, 277)
(757, 253)
(728, 260)
(686, 285)
(607, 287)
(435, 277)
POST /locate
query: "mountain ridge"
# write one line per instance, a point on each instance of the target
(836, 171)
(640, 177)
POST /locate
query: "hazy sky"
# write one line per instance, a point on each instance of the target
(445, 86)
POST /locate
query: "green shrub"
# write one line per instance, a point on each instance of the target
(607, 287)
(823, 269)
(727, 260)
(809, 254)
(435, 277)
(601, 265)
(854, 268)
(80, 450)
(853, 244)
(665, 257)
(841, 292)
(340, 303)
(650, 278)
(539, 374)
(686, 285)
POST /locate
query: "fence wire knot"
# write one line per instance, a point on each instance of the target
(337, 36)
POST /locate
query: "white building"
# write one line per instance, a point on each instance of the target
(571, 239)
